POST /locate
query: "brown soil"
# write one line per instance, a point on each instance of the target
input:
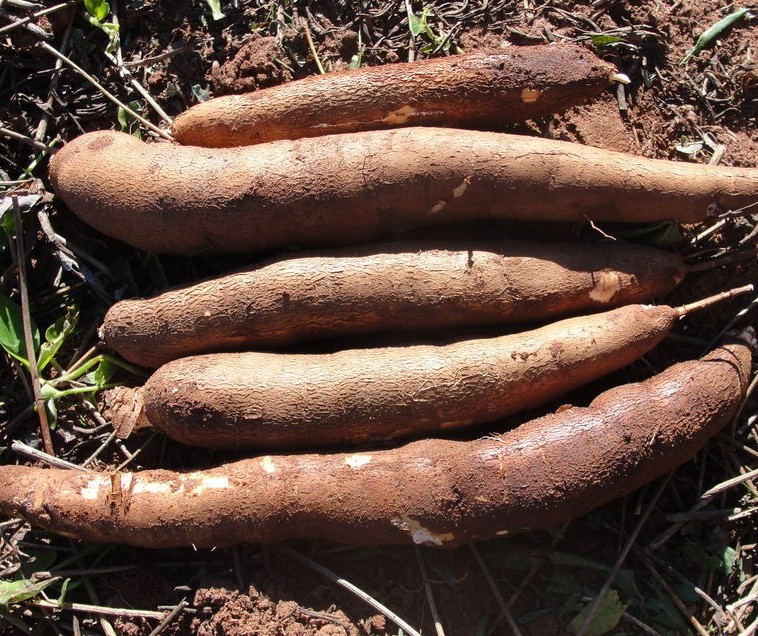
(253, 66)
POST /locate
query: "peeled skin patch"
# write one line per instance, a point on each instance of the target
(420, 534)
(606, 286)
(530, 95)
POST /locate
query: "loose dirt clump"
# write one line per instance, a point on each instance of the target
(221, 610)
(256, 65)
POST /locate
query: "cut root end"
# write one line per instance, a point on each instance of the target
(125, 408)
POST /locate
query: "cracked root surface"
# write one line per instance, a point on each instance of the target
(435, 492)
(344, 189)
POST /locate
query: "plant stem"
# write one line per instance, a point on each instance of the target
(47, 439)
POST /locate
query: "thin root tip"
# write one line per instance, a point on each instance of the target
(712, 300)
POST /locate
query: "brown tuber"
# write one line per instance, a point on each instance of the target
(344, 189)
(284, 401)
(486, 90)
(403, 287)
(434, 492)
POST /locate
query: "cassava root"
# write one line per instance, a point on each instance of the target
(484, 90)
(434, 492)
(284, 401)
(405, 287)
(349, 188)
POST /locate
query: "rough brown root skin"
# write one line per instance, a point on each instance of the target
(285, 401)
(434, 492)
(391, 288)
(485, 90)
(345, 189)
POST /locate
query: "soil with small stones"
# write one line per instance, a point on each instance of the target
(702, 111)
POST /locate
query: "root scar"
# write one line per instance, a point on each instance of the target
(267, 464)
(357, 461)
(399, 116)
(461, 187)
(437, 207)
(420, 534)
(530, 95)
(606, 285)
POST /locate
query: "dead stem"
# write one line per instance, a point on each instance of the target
(429, 594)
(727, 259)
(134, 455)
(37, 145)
(350, 587)
(100, 449)
(37, 14)
(704, 500)
(41, 131)
(675, 598)
(99, 610)
(533, 571)
(504, 609)
(312, 47)
(31, 354)
(643, 626)
(737, 317)
(670, 570)
(623, 554)
(126, 74)
(106, 92)
(32, 453)
(169, 618)
(704, 303)
(153, 59)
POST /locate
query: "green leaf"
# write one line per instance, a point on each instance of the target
(576, 561)
(49, 392)
(41, 560)
(55, 336)
(355, 61)
(64, 590)
(102, 374)
(607, 615)
(53, 410)
(7, 218)
(661, 235)
(710, 35)
(563, 582)
(98, 9)
(665, 615)
(728, 557)
(626, 582)
(8, 224)
(508, 554)
(418, 24)
(121, 116)
(482, 625)
(111, 29)
(21, 590)
(12, 331)
(604, 40)
(702, 558)
(215, 7)
(442, 566)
